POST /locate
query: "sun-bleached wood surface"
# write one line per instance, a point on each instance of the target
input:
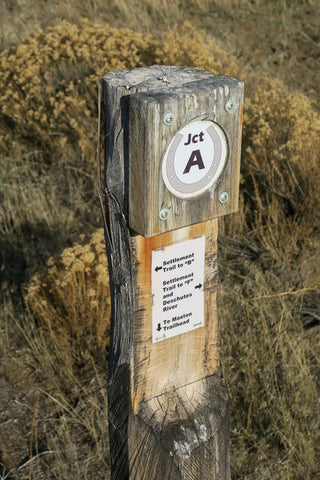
(168, 403)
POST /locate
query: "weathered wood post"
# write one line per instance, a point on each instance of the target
(172, 167)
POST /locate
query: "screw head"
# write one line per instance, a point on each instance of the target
(229, 106)
(168, 119)
(223, 197)
(164, 214)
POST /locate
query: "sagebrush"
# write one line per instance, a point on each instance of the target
(48, 97)
(268, 252)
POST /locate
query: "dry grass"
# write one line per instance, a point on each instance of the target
(71, 301)
(62, 412)
(269, 263)
(140, 16)
(22, 16)
(270, 289)
(44, 208)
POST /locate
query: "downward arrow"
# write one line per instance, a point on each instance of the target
(198, 286)
(159, 327)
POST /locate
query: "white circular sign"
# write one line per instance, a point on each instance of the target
(194, 159)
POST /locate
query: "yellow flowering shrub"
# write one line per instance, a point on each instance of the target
(71, 300)
(48, 89)
(48, 85)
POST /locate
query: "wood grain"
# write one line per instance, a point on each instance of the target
(168, 403)
(149, 139)
(160, 368)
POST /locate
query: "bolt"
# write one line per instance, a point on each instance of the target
(164, 214)
(229, 106)
(168, 119)
(223, 197)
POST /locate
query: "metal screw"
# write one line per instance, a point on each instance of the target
(168, 119)
(223, 197)
(164, 214)
(229, 106)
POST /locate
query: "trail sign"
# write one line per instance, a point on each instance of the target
(194, 159)
(177, 288)
(172, 167)
(189, 161)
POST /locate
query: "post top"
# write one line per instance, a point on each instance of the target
(155, 77)
(181, 134)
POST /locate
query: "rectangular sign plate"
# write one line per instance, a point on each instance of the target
(177, 288)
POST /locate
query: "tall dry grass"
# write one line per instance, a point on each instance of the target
(269, 264)
(43, 209)
(270, 289)
(19, 17)
(140, 16)
(62, 410)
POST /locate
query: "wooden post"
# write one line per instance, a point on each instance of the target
(172, 167)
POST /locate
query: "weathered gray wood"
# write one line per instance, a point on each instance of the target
(168, 404)
(118, 86)
(149, 138)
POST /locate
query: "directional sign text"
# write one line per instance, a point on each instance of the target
(177, 288)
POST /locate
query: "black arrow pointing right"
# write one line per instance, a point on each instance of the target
(198, 286)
